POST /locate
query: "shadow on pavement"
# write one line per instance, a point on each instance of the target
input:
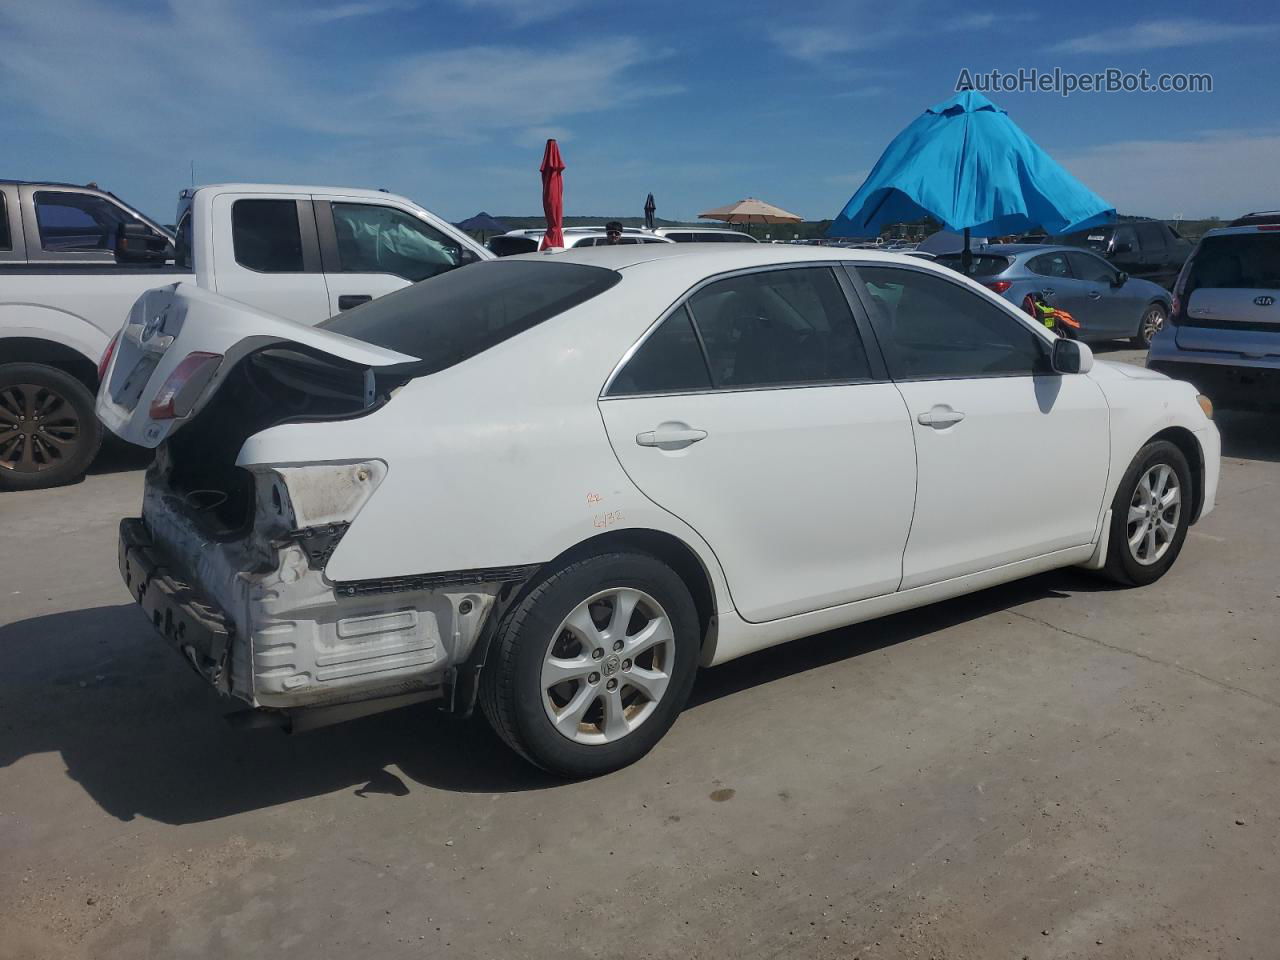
(1249, 436)
(143, 735)
(116, 456)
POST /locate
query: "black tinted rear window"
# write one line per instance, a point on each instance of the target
(984, 264)
(1247, 261)
(1095, 240)
(456, 315)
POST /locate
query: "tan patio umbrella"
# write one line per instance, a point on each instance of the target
(751, 210)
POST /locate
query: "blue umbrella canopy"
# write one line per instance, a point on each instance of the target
(965, 163)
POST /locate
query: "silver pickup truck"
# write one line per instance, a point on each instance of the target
(74, 259)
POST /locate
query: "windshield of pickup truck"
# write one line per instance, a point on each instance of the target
(457, 315)
(1095, 240)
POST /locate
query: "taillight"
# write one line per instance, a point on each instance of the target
(183, 387)
(107, 355)
(999, 286)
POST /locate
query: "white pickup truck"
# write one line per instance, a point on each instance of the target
(74, 259)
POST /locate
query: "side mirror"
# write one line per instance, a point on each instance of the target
(138, 243)
(1121, 279)
(1122, 248)
(466, 256)
(1071, 356)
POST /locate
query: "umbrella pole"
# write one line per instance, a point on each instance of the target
(966, 257)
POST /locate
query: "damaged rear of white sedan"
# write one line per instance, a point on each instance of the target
(555, 485)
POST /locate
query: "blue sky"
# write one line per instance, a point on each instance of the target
(701, 102)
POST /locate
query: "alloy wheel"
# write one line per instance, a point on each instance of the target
(607, 666)
(1154, 511)
(1152, 321)
(39, 428)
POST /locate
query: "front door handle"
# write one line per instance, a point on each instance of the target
(348, 300)
(672, 435)
(940, 417)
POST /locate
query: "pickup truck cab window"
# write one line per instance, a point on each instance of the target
(375, 238)
(266, 235)
(6, 239)
(72, 222)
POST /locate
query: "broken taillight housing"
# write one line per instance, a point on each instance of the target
(183, 387)
(106, 356)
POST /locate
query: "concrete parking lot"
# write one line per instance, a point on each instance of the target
(1053, 768)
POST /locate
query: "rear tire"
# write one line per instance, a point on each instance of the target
(1153, 319)
(1149, 515)
(624, 682)
(49, 433)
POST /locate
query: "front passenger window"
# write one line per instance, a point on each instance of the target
(933, 329)
(373, 238)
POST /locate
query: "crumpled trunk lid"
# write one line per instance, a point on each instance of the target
(183, 323)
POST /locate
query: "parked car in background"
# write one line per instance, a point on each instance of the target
(1224, 332)
(704, 235)
(73, 260)
(1107, 303)
(1147, 249)
(515, 242)
(559, 484)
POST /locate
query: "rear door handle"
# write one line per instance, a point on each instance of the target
(940, 417)
(348, 300)
(1094, 295)
(672, 435)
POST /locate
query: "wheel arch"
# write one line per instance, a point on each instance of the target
(672, 551)
(465, 683)
(1186, 441)
(51, 353)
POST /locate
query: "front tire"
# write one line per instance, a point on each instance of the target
(591, 668)
(1149, 515)
(49, 433)
(1153, 319)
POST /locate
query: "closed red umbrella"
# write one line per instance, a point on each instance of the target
(552, 196)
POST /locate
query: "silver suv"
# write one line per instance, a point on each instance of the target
(1224, 331)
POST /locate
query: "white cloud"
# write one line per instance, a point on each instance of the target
(1220, 173)
(1161, 35)
(459, 92)
(524, 12)
(347, 11)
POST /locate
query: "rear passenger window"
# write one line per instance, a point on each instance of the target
(933, 329)
(779, 327)
(266, 235)
(669, 361)
(6, 241)
(1151, 236)
(1050, 265)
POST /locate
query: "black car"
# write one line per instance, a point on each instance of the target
(1144, 248)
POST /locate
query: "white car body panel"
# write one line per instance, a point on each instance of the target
(805, 493)
(297, 296)
(804, 507)
(988, 499)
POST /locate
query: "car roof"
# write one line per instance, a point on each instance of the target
(1247, 228)
(361, 192)
(49, 183)
(1019, 249)
(716, 258)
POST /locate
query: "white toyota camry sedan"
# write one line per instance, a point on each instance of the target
(558, 484)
